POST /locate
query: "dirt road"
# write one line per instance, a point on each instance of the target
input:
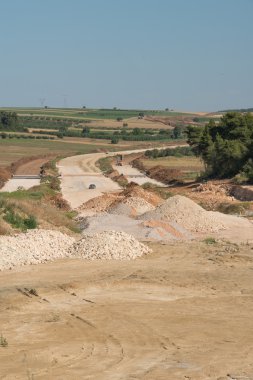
(78, 172)
(133, 174)
(14, 183)
(149, 319)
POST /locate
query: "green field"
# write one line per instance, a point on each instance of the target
(15, 149)
(188, 167)
(79, 113)
(183, 163)
(11, 150)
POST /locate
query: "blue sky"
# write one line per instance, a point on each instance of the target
(183, 54)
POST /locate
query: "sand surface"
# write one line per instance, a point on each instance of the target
(182, 312)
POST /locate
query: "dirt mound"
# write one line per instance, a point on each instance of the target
(131, 206)
(213, 189)
(33, 247)
(164, 175)
(134, 190)
(133, 196)
(99, 204)
(109, 245)
(187, 214)
(113, 174)
(4, 176)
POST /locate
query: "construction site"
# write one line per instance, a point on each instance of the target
(151, 287)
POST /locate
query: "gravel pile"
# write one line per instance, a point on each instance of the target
(131, 206)
(33, 247)
(187, 214)
(109, 245)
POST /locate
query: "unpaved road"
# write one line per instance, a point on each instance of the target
(133, 174)
(78, 172)
(149, 319)
(14, 183)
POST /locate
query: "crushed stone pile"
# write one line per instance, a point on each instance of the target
(131, 206)
(33, 247)
(109, 245)
(188, 214)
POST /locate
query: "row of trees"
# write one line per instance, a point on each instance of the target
(135, 134)
(226, 148)
(8, 121)
(179, 151)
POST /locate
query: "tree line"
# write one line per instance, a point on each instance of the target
(8, 121)
(180, 151)
(226, 148)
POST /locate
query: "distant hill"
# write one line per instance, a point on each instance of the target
(239, 110)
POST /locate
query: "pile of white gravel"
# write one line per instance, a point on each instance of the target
(108, 245)
(33, 247)
(131, 206)
(187, 214)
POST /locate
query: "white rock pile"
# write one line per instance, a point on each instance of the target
(108, 245)
(33, 247)
(187, 214)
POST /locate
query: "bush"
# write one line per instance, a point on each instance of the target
(30, 222)
(3, 341)
(17, 221)
(210, 240)
(14, 219)
(114, 140)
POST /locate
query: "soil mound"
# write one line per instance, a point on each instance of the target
(134, 190)
(109, 245)
(99, 204)
(133, 206)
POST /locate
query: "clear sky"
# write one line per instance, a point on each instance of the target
(182, 54)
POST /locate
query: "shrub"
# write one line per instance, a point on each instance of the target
(14, 219)
(3, 341)
(210, 240)
(30, 222)
(114, 140)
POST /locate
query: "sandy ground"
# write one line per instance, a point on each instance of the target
(78, 173)
(14, 183)
(133, 174)
(148, 319)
